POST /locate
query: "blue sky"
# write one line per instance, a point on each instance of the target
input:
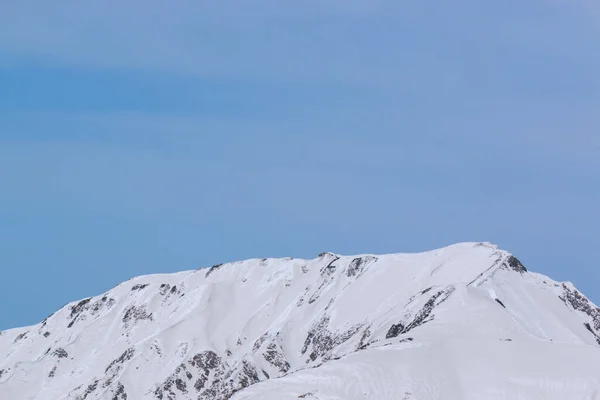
(138, 138)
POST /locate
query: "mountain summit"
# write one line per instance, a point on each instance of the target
(465, 322)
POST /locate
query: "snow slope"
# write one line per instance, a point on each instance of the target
(464, 322)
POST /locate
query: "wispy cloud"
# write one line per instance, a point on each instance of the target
(384, 43)
(193, 37)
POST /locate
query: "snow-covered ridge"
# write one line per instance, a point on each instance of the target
(408, 326)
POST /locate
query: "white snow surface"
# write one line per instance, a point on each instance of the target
(463, 322)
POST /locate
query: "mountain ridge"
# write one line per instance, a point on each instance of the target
(240, 329)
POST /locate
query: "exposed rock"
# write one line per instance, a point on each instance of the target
(321, 341)
(276, 357)
(133, 314)
(85, 308)
(120, 393)
(139, 287)
(91, 388)
(213, 269)
(60, 353)
(359, 264)
(164, 288)
(117, 364)
(513, 263)
(580, 303)
(21, 336)
(423, 316)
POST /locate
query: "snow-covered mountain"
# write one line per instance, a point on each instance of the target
(464, 322)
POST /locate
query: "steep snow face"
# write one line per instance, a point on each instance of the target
(464, 322)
